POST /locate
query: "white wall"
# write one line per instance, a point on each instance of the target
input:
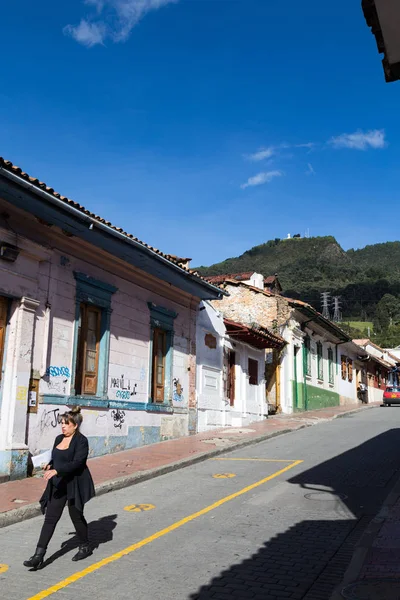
(214, 409)
(40, 344)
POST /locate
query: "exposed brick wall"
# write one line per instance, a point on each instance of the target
(247, 306)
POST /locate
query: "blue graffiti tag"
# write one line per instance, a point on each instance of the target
(123, 395)
(58, 372)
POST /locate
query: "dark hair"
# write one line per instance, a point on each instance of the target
(73, 416)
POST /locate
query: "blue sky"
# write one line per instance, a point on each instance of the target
(205, 127)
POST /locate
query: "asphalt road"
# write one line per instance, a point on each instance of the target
(256, 523)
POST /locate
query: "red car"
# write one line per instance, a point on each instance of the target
(391, 395)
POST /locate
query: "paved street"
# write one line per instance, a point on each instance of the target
(268, 526)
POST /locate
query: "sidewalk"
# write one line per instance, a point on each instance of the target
(374, 571)
(19, 499)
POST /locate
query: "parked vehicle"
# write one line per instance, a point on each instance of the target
(391, 395)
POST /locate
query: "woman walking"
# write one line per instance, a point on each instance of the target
(68, 480)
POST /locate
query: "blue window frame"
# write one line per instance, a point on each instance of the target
(92, 296)
(161, 354)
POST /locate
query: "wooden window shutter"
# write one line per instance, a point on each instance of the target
(158, 365)
(344, 367)
(3, 324)
(350, 370)
(253, 371)
(90, 334)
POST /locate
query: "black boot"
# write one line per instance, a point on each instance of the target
(84, 551)
(36, 561)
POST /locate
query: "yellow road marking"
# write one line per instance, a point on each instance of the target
(139, 507)
(114, 557)
(224, 475)
(3, 568)
(259, 459)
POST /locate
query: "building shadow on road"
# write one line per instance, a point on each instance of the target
(287, 566)
(308, 560)
(100, 532)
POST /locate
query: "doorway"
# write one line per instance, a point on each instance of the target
(295, 380)
(231, 377)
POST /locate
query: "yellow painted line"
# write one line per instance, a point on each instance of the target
(3, 568)
(224, 475)
(273, 460)
(152, 538)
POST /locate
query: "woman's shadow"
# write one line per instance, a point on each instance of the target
(100, 532)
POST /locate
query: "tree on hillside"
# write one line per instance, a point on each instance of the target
(387, 313)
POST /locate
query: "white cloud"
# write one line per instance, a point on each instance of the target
(308, 145)
(261, 178)
(88, 34)
(360, 140)
(310, 170)
(262, 154)
(112, 19)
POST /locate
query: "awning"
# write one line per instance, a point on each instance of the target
(256, 336)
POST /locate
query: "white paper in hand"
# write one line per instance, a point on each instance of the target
(42, 459)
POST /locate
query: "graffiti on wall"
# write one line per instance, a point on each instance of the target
(124, 388)
(50, 418)
(58, 372)
(178, 391)
(118, 417)
(57, 379)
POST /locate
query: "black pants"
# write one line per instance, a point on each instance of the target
(54, 511)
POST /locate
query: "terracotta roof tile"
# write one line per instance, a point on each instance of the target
(9, 166)
(255, 335)
(247, 286)
(216, 279)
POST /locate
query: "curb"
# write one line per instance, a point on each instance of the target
(355, 410)
(33, 510)
(365, 543)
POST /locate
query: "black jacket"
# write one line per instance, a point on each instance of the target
(76, 475)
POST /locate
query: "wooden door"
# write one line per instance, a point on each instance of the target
(231, 377)
(159, 351)
(91, 350)
(87, 360)
(3, 325)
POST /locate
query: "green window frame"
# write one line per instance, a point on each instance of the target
(330, 366)
(307, 356)
(320, 361)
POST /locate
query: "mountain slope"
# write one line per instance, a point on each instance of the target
(308, 266)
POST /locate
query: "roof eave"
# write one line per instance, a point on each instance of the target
(317, 318)
(42, 204)
(391, 71)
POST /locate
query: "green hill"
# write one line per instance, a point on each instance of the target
(308, 266)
